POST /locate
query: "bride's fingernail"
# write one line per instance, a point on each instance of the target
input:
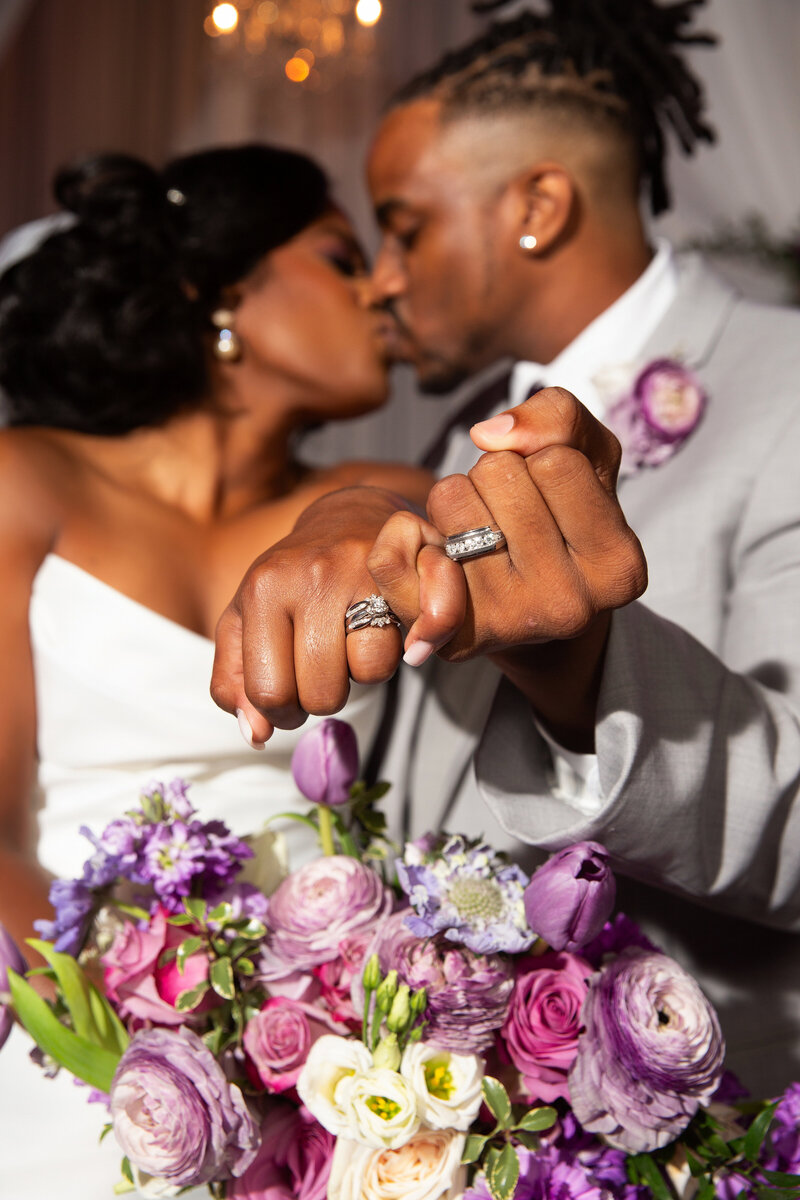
(495, 427)
(246, 730)
(418, 653)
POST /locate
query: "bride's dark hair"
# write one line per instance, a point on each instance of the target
(104, 327)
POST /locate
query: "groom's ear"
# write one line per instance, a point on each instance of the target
(543, 202)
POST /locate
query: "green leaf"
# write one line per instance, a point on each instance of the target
(92, 1016)
(474, 1147)
(166, 956)
(503, 1174)
(127, 1170)
(196, 908)
(187, 948)
(644, 1169)
(536, 1119)
(757, 1132)
(134, 911)
(245, 966)
(181, 919)
(186, 1001)
(496, 1098)
(221, 976)
(93, 1064)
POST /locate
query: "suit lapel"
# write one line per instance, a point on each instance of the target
(696, 318)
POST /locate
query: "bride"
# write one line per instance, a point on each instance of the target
(159, 357)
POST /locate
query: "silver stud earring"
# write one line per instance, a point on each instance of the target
(227, 347)
(528, 242)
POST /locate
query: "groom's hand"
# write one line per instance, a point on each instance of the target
(281, 649)
(548, 481)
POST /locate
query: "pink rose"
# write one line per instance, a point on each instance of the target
(336, 977)
(293, 1162)
(134, 982)
(279, 1037)
(543, 1023)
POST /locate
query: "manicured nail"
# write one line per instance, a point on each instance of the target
(495, 427)
(418, 653)
(246, 731)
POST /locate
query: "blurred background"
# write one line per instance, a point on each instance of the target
(160, 77)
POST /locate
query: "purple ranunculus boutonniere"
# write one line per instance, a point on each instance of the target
(656, 413)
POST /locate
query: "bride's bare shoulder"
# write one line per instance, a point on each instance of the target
(36, 472)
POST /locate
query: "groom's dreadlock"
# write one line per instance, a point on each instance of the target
(614, 62)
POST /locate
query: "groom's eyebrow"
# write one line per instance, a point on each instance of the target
(388, 209)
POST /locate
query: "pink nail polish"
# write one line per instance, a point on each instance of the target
(418, 653)
(497, 426)
(246, 731)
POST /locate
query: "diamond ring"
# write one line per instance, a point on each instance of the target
(473, 542)
(373, 613)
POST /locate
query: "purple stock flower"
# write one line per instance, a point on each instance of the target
(316, 907)
(545, 1175)
(468, 892)
(325, 762)
(657, 414)
(174, 1113)
(468, 993)
(74, 903)
(569, 899)
(9, 957)
(650, 1055)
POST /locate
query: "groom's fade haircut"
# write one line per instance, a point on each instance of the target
(615, 65)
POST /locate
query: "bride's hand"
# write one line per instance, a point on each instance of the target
(281, 648)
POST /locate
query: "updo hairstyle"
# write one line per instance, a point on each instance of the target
(103, 328)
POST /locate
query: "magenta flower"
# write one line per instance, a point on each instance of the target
(655, 417)
(325, 762)
(174, 1113)
(570, 898)
(293, 1162)
(9, 957)
(650, 1055)
(544, 1020)
(316, 907)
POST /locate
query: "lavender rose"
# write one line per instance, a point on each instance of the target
(569, 899)
(174, 1113)
(468, 993)
(544, 1020)
(9, 957)
(651, 1054)
(279, 1037)
(293, 1162)
(325, 762)
(318, 906)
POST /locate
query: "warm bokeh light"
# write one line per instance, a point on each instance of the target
(368, 11)
(225, 17)
(297, 69)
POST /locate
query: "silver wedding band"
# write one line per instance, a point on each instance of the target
(474, 542)
(372, 613)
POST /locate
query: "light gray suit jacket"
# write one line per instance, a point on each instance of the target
(698, 731)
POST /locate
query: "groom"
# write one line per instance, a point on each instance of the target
(506, 181)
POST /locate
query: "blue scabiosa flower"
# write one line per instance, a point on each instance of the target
(468, 892)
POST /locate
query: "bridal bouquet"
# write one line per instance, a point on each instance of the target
(376, 1025)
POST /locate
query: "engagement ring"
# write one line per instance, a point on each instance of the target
(373, 612)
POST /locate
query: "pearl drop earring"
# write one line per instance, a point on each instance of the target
(227, 347)
(528, 242)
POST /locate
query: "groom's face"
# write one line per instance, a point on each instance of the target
(441, 270)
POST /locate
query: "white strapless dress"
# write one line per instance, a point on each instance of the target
(122, 700)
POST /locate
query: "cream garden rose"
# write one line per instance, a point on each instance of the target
(427, 1167)
(448, 1086)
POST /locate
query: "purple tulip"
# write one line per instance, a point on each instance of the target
(325, 762)
(651, 1052)
(570, 898)
(9, 957)
(175, 1114)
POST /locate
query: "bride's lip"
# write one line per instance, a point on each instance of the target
(392, 338)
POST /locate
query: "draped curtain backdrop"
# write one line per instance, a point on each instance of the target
(142, 76)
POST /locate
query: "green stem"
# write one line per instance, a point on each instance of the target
(325, 819)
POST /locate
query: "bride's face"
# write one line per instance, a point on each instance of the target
(304, 320)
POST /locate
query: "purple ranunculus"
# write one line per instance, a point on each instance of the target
(174, 1113)
(616, 935)
(544, 1020)
(316, 907)
(569, 899)
(467, 993)
(325, 762)
(9, 957)
(467, 891)
(650, 1055)
(293, 1162)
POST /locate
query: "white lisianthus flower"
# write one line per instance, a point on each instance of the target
(448, 1086)
(381, 1107)
(427, 1167)
(331, 1060)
